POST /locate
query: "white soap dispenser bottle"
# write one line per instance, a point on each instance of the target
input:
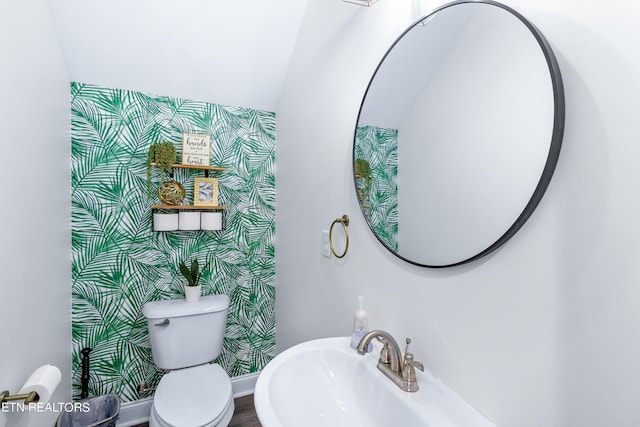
(360, 325)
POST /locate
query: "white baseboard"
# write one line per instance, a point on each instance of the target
(134, 413)
(137, 412)
(244, 384)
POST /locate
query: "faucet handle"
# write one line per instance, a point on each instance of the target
(384, 352)
(408, 357)
(409, 361)
(409, 371)
(410, 365)
(408, 341)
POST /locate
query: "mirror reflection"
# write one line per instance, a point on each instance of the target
(458, 134)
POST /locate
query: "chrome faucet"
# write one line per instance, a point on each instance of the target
(399, 369)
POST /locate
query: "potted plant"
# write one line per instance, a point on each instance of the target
(363, 174)
(163, 154)
(193, 288)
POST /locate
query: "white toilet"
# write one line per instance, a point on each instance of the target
(185, 337)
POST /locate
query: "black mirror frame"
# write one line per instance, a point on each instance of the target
(556, 136)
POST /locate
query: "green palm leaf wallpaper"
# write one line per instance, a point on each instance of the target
(118, 263)
(379, 146)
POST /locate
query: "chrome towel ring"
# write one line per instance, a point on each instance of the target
(345, 223)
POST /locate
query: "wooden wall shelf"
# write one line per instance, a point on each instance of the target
(190, 207)
(204, 168)
(205, 208)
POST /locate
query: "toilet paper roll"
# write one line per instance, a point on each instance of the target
(189, 220)
(211, 220)
(43, 381)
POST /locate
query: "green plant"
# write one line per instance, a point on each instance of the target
(163, 154)
(192, 274)
(363, 172)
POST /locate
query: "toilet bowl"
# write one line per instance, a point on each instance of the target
(200, 396)
(185, 338)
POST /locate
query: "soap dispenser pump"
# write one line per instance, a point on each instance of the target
(360, 325)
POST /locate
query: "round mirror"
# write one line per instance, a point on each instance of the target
(458, 134)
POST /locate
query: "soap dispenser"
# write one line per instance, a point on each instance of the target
(360, 325)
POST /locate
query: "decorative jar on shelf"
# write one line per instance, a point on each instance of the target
(171, 192)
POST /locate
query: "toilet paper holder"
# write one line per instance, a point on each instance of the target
(31, 397)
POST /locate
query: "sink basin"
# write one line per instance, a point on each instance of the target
(326, 383)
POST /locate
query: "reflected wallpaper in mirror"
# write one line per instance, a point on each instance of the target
(378, 149)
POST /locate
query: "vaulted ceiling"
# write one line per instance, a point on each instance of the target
(232, 52)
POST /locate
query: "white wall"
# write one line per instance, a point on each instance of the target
(35, 290)
(228, 52)
(544, 332)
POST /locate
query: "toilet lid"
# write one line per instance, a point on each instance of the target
(193, 396)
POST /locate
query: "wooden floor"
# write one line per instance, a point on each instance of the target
(243, 416)
(245, 413)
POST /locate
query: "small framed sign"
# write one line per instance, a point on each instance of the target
(205, 191)
(196, 149)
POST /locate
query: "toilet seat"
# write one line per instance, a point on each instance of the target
(200, 396)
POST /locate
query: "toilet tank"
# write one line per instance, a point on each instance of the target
(184, 333)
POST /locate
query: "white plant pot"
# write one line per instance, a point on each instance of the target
(192, 293)
(189, 220)
(165, 221)
(211, 220)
